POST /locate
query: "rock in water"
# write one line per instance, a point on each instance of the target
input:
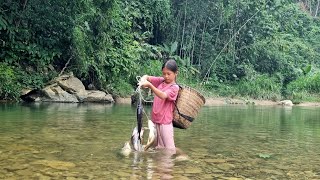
(286, 103)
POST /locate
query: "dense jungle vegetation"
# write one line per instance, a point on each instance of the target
(264, 49)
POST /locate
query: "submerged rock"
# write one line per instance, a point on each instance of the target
(60, 165)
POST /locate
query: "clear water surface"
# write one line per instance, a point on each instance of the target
(84, 141)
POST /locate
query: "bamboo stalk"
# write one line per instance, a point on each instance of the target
(201, 43)
(184, 27)
(193, 41)
(178, 26)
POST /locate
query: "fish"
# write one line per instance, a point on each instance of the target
(137, 134)
(152, 135)
(139, 117)
(126, 149)
(136, 139)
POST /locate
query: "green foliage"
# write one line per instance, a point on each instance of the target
(257, 48)
(262, 87)
(306, 69)
(9, 89)
(104, 40)
(309, 84)
(103, 53)
(33, 36)
(152, 67)
(305, 88)
(234, 42)
(120, 88)
(107, 54)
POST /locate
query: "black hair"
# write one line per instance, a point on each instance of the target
(171, 65)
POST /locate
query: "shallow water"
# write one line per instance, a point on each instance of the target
(83, 141)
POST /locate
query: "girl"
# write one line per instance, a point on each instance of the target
(166, 92)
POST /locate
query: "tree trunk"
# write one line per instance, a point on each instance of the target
(316, 13)
(310, 6)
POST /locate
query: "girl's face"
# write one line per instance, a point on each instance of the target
(168, 75)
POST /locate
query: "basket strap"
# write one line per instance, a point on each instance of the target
(183, 115)
(180, 114)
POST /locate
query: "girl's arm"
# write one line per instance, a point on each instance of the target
(156, 91)
(146, 83)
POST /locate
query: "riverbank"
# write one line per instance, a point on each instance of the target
(223, 101)
(219, 101)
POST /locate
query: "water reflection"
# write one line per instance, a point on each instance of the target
(153, 164)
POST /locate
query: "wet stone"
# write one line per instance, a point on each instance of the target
(233, 160)
(41, 176)
(48, 172)
(271, 171)
(216, 175)
(233, 178)
(25, 172)
(199, 151)
(60, 165)
(226, 166)
(21, 148)
(122, 174)
(282, 167)
(179, 171)
(206, 176)
(309, 173)
(71, 178)
(15, 167)
(215, 161)
(181, 177)
(193, 170)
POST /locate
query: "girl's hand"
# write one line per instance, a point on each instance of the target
(144, 78)
(144, 84)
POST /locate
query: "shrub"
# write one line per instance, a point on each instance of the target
(9, 88)
(305, 88)
(261, 87)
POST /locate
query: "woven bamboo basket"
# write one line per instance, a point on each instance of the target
(188, 104)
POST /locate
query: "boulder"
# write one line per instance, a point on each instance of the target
(29, 95)
(66, 88)
(286, 103)
(25, 91)
(72, 85)
(98, 96)
(55, 93)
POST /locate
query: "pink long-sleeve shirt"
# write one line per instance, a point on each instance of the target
(162, 110)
